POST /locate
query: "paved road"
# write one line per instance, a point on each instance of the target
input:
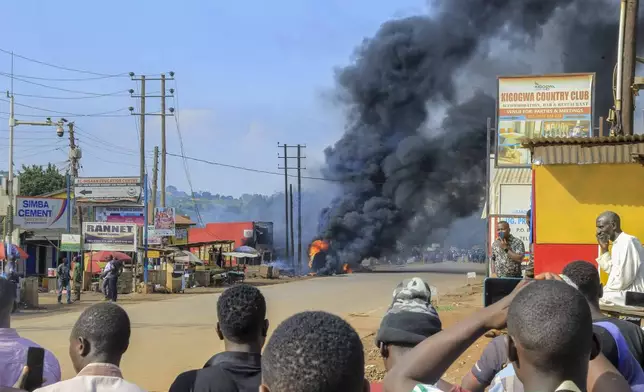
(178, 334)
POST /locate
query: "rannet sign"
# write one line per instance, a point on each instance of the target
(41, 213)
(109, 236)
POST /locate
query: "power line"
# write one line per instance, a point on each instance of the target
(60, 66)
(105, 114)
(52, 87)
(66, 113)
(122, 93)
(62, 79)
(248, 168)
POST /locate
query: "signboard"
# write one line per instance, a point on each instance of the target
(109, 236)
(107, 189)
(541, 106)
(70, 243)
(164, 221)
(515, 199)
(120, 215)
(40, 213)
(153, 237)
(180, 237)
(154, 254)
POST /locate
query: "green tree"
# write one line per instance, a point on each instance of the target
(37, 180)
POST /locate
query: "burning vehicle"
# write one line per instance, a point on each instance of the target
(319, 263)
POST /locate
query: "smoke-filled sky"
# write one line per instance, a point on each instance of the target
(405, 175)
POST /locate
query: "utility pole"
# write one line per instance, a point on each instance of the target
(142, 96)
(292, 233)
(155, 175)
(290, 248)
(288, 258)
(75, 155)
(629, 62)
(163, 150)
(13, 122)
(143, 176)
(299, 205)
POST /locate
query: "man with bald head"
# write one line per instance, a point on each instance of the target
(623, 262)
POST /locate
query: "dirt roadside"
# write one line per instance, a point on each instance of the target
(48, 301)
(452, 308)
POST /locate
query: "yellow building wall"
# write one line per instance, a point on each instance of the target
(568, 199)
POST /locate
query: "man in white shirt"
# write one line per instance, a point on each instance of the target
(623, 262)
(98, 340)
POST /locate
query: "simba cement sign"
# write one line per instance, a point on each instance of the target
(40, 213)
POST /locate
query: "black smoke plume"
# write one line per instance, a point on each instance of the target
(402, 179)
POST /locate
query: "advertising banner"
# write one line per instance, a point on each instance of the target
(70, 243)
(541, 106)
(164, 221)
(109, 236)
(107, 189)
(120, 215)
(180, 237)
(153, 237)
(40, 213)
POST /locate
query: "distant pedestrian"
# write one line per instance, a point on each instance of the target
(112, 273)
(108, 267)
(64, 277)
(78, 278)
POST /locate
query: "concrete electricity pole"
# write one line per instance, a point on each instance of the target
(290, 250)
(155, 175)
(142, 96)
(10, 193)
(629, 62)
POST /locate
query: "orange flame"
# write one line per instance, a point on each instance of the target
(316, 247)
(346, 269)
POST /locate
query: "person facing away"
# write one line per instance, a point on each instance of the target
(98, 340)
(624, 260)
(242, 325)
(313, 352)
(507, 252)
(409, 320)
(13, 348)
(64, 276)
(550, 343)
(492, 368)
(106, 269)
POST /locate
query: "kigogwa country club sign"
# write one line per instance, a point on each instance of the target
(109, 236)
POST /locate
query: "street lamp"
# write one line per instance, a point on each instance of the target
(14, 123)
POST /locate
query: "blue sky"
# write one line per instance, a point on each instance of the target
(249, 74)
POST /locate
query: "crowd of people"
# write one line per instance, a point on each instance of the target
(557, 340)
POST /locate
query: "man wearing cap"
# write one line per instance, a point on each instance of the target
(409, 320)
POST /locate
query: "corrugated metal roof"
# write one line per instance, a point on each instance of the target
(598, 140)
(512, 176)
(585, 154)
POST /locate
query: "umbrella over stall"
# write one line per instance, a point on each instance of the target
(12, 250)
